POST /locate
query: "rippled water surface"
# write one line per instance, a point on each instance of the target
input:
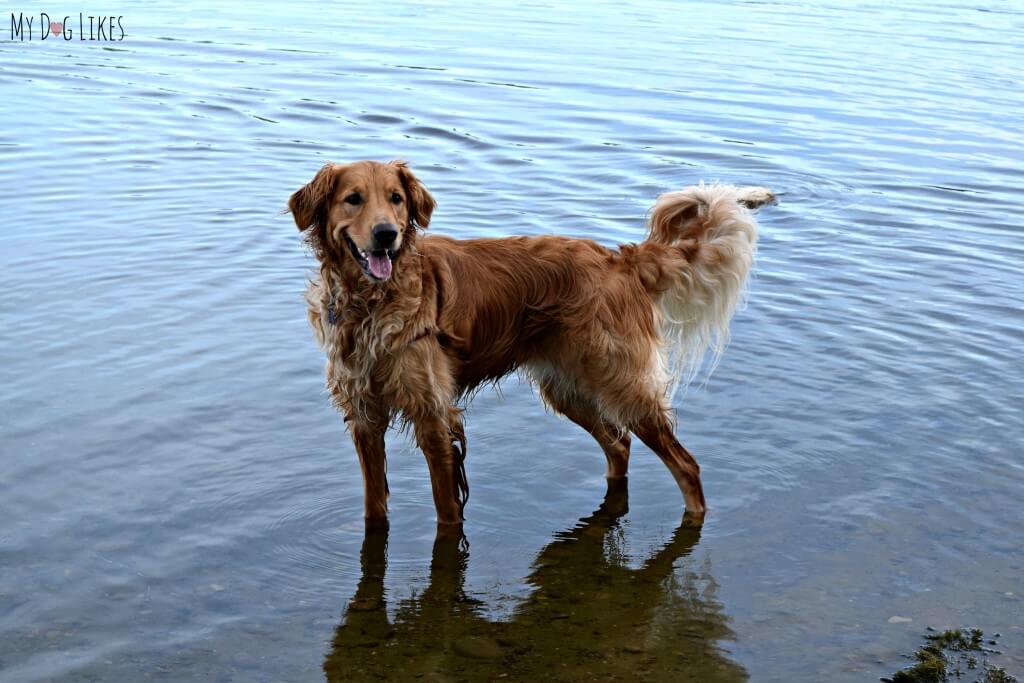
(178, 500)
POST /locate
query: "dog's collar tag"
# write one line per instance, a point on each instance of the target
(330, 313)
(422, 335)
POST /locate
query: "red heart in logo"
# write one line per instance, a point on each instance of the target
(56, 28)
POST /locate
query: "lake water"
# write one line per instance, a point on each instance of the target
(179, 500)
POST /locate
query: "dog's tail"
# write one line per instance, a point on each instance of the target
(712, 229)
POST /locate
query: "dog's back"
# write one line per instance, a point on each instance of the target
(547, 301)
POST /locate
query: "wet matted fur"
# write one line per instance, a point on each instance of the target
(412, 323)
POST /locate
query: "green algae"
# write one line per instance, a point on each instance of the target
(953, 655)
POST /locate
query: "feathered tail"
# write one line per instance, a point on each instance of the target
(717, 236)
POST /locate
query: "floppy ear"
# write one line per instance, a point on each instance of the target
(421, 202)
(307, 204)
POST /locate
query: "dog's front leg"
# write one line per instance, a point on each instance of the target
(369, 441)
(443, 442)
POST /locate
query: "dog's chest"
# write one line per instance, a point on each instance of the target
(369, 359)
(363, 348)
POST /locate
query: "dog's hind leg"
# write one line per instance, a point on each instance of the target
(630, 389)
(613, 440)
(655, 431)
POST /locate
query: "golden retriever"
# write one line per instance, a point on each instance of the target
(412, 323)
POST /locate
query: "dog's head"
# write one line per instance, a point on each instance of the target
(365, 212)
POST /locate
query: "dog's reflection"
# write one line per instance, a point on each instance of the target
(589, 617)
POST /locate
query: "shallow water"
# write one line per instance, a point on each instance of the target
(179, 500)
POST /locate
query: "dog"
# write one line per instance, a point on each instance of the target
(411, 324)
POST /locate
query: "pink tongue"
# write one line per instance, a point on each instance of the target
(380, 266)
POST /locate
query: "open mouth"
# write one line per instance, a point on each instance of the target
(376, 264)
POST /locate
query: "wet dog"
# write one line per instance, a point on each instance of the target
(411, 323)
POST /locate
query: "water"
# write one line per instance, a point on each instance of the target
(179, 500)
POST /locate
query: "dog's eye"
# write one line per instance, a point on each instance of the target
(355, 199)
(396, 198)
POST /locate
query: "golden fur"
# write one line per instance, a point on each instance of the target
(604, 333)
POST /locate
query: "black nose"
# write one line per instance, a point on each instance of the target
(385, 234)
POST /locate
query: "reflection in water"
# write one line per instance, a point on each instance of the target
(589, 617)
